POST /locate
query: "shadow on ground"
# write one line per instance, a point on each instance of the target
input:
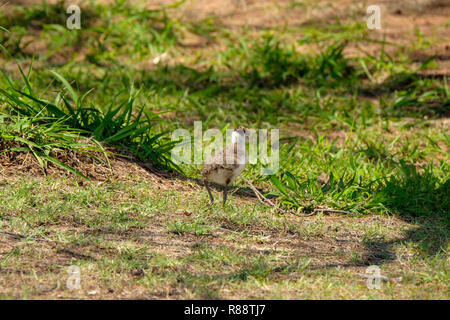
(420, 199)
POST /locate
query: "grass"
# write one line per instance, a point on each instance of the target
(32, 121)
(137, 245)
(365, 132)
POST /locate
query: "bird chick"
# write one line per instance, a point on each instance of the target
(227, 165)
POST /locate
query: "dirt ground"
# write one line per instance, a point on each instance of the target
(329, 242)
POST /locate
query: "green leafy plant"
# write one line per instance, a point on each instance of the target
(117, 126)
(44, 140)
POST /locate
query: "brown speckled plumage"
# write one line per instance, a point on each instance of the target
(219, 162)
(225, 166)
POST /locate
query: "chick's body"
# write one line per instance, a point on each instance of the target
(227, 165)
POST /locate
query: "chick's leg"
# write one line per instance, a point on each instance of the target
(211, 198)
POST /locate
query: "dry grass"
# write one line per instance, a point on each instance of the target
(143, 239)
